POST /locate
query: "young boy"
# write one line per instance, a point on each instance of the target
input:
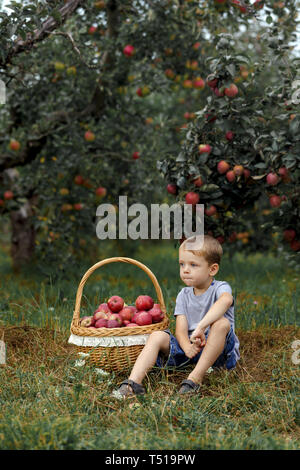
(204, 333)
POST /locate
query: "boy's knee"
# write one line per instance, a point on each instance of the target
(223, 325)
(159, 340)
(159, 337)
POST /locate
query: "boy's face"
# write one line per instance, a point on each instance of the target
(195, 270)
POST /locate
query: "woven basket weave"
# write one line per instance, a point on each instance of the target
(116, 357)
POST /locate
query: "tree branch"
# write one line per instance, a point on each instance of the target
(39, 34)
(69, 36)
(29, 154)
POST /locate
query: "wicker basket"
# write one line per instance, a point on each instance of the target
(113, 349)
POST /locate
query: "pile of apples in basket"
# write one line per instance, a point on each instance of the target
(116, 314)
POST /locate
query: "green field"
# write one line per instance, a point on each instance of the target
(49, 402)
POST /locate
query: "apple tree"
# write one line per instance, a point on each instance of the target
(240, 155)
(100, 93)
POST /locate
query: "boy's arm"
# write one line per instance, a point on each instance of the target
(181, 333)
(216, 312)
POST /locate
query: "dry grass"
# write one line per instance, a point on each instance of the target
(260, 350)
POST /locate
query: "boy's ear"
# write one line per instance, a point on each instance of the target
(214, 268)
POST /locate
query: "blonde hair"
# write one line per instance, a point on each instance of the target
(211, 251)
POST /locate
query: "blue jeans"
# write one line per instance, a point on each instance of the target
(177, 357)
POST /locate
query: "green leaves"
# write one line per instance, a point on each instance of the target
(57, 16)
(231, 69)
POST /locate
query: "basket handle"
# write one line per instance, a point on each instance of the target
(76, 314)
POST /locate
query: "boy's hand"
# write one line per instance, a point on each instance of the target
(192, 350)
(198, 337)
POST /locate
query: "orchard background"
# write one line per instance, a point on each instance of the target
(160, 101)
(121, 96)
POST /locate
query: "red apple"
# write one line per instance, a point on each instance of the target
(232, 237)
(156, 314)
(211, 81)
(218, 93)
(221, 239)
(115, 303)
(116, 317)
(199, 83)
(126, 322)
(295, 245)
(275, 201)
(14, 145)
(101, 191)
(230, 176)
(284, 173)
(78, 179)
(92, 29)
(1, 202)
(231, 91)
(210, 117)
(133, 308)
(144, 318)
(129, 50)
(144, 302)
(136, 155)
(192, 198)
(211, 210)
(238, 170)
(113, 324)
(87, 184)
(101, 323)
(172, 188)
(8, 195)
(187, 84)
(223, 167)
(78, 206)
(135, 315)
(273, 179)
(246, 173)
(126, 313)
(86, 322)
(229, 135)
(289, 235)
(99, 314)
(103, 308)
(89, 136)
(258, 4)
(139, 92)
(169, 73)
(198, 182)
(204, 148)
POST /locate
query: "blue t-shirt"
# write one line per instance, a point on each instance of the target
(195, 307)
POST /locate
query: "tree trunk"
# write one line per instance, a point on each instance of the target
(22, 229)
(22, 236)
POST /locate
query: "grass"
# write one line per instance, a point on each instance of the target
(48, 401)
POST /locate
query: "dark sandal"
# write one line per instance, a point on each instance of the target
(124, 389)
(188, 386)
